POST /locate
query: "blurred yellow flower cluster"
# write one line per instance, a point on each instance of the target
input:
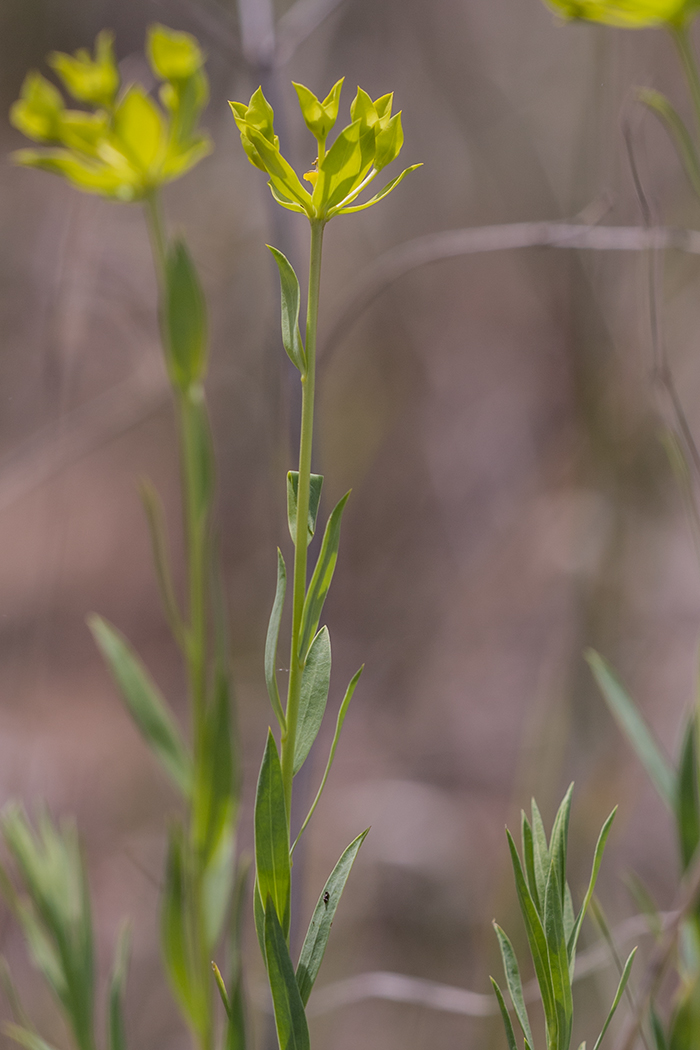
(632, 14)
(127, 145)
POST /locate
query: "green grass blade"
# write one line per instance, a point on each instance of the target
(237, 1029)
(116, 1029)
(290, 1019)
(272, 864)
(635, 728)
(145, 703)
(315, 683)
(322, 576)
(687, 802)
(510, 1034)
(618, 995)
(291, 301)
(536, 939)
(273, 632)
(315, 486)
(331, 755)
(597, 861)
(322, 919)
(259, 918)
(513, 980)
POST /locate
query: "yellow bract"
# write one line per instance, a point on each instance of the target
(371, 141)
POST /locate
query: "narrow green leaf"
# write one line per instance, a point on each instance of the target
(597, 861)
(290, 1019)
(679, 134)
(236, 1029)
(558, 841)
(687, 801)
(145, 702)
(513, 980)
(177, 949)
(536, 939)
(322, 919)
(331, 755)
(657, 1030)
(635, 728)
(214, 800)
(618, 995)
(291, 299)
(26, 1038)
(259, 918)
(343, 209)
(510, 1034)
(272, 864)
(322, 576)
(315, 683)
(185, 322)
(529, 858)
(273, 631)
(541, 856)
(558, 957)
(316, 484)
(116, 1029)
(223, 994)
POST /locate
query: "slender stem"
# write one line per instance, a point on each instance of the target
(681, 37)
(192, 422)
(308, 384)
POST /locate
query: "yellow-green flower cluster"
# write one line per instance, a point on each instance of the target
(631, 14)
(341, 172)
(127, 145)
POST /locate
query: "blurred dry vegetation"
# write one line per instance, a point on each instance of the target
(496, 418)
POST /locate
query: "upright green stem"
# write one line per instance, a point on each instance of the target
(308, 387)
(681, 37)
(195, 520)
(192, 421)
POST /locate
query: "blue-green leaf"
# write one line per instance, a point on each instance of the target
(597, 861)
(322, 919)
(316, 484)
(145, 702)
(272, 639)
(273, 870)
(291, 299)
(635, 728)
(513, 980)
(510, 1034)
(322, 576)
(315, 683)
(290, 1019)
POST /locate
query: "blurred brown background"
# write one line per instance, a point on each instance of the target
(495, 417)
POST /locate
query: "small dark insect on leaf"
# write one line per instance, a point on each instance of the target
(326, 897)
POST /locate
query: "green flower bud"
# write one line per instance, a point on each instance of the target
(319, 117)
(173, 55)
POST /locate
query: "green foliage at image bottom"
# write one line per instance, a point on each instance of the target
(552, 927)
